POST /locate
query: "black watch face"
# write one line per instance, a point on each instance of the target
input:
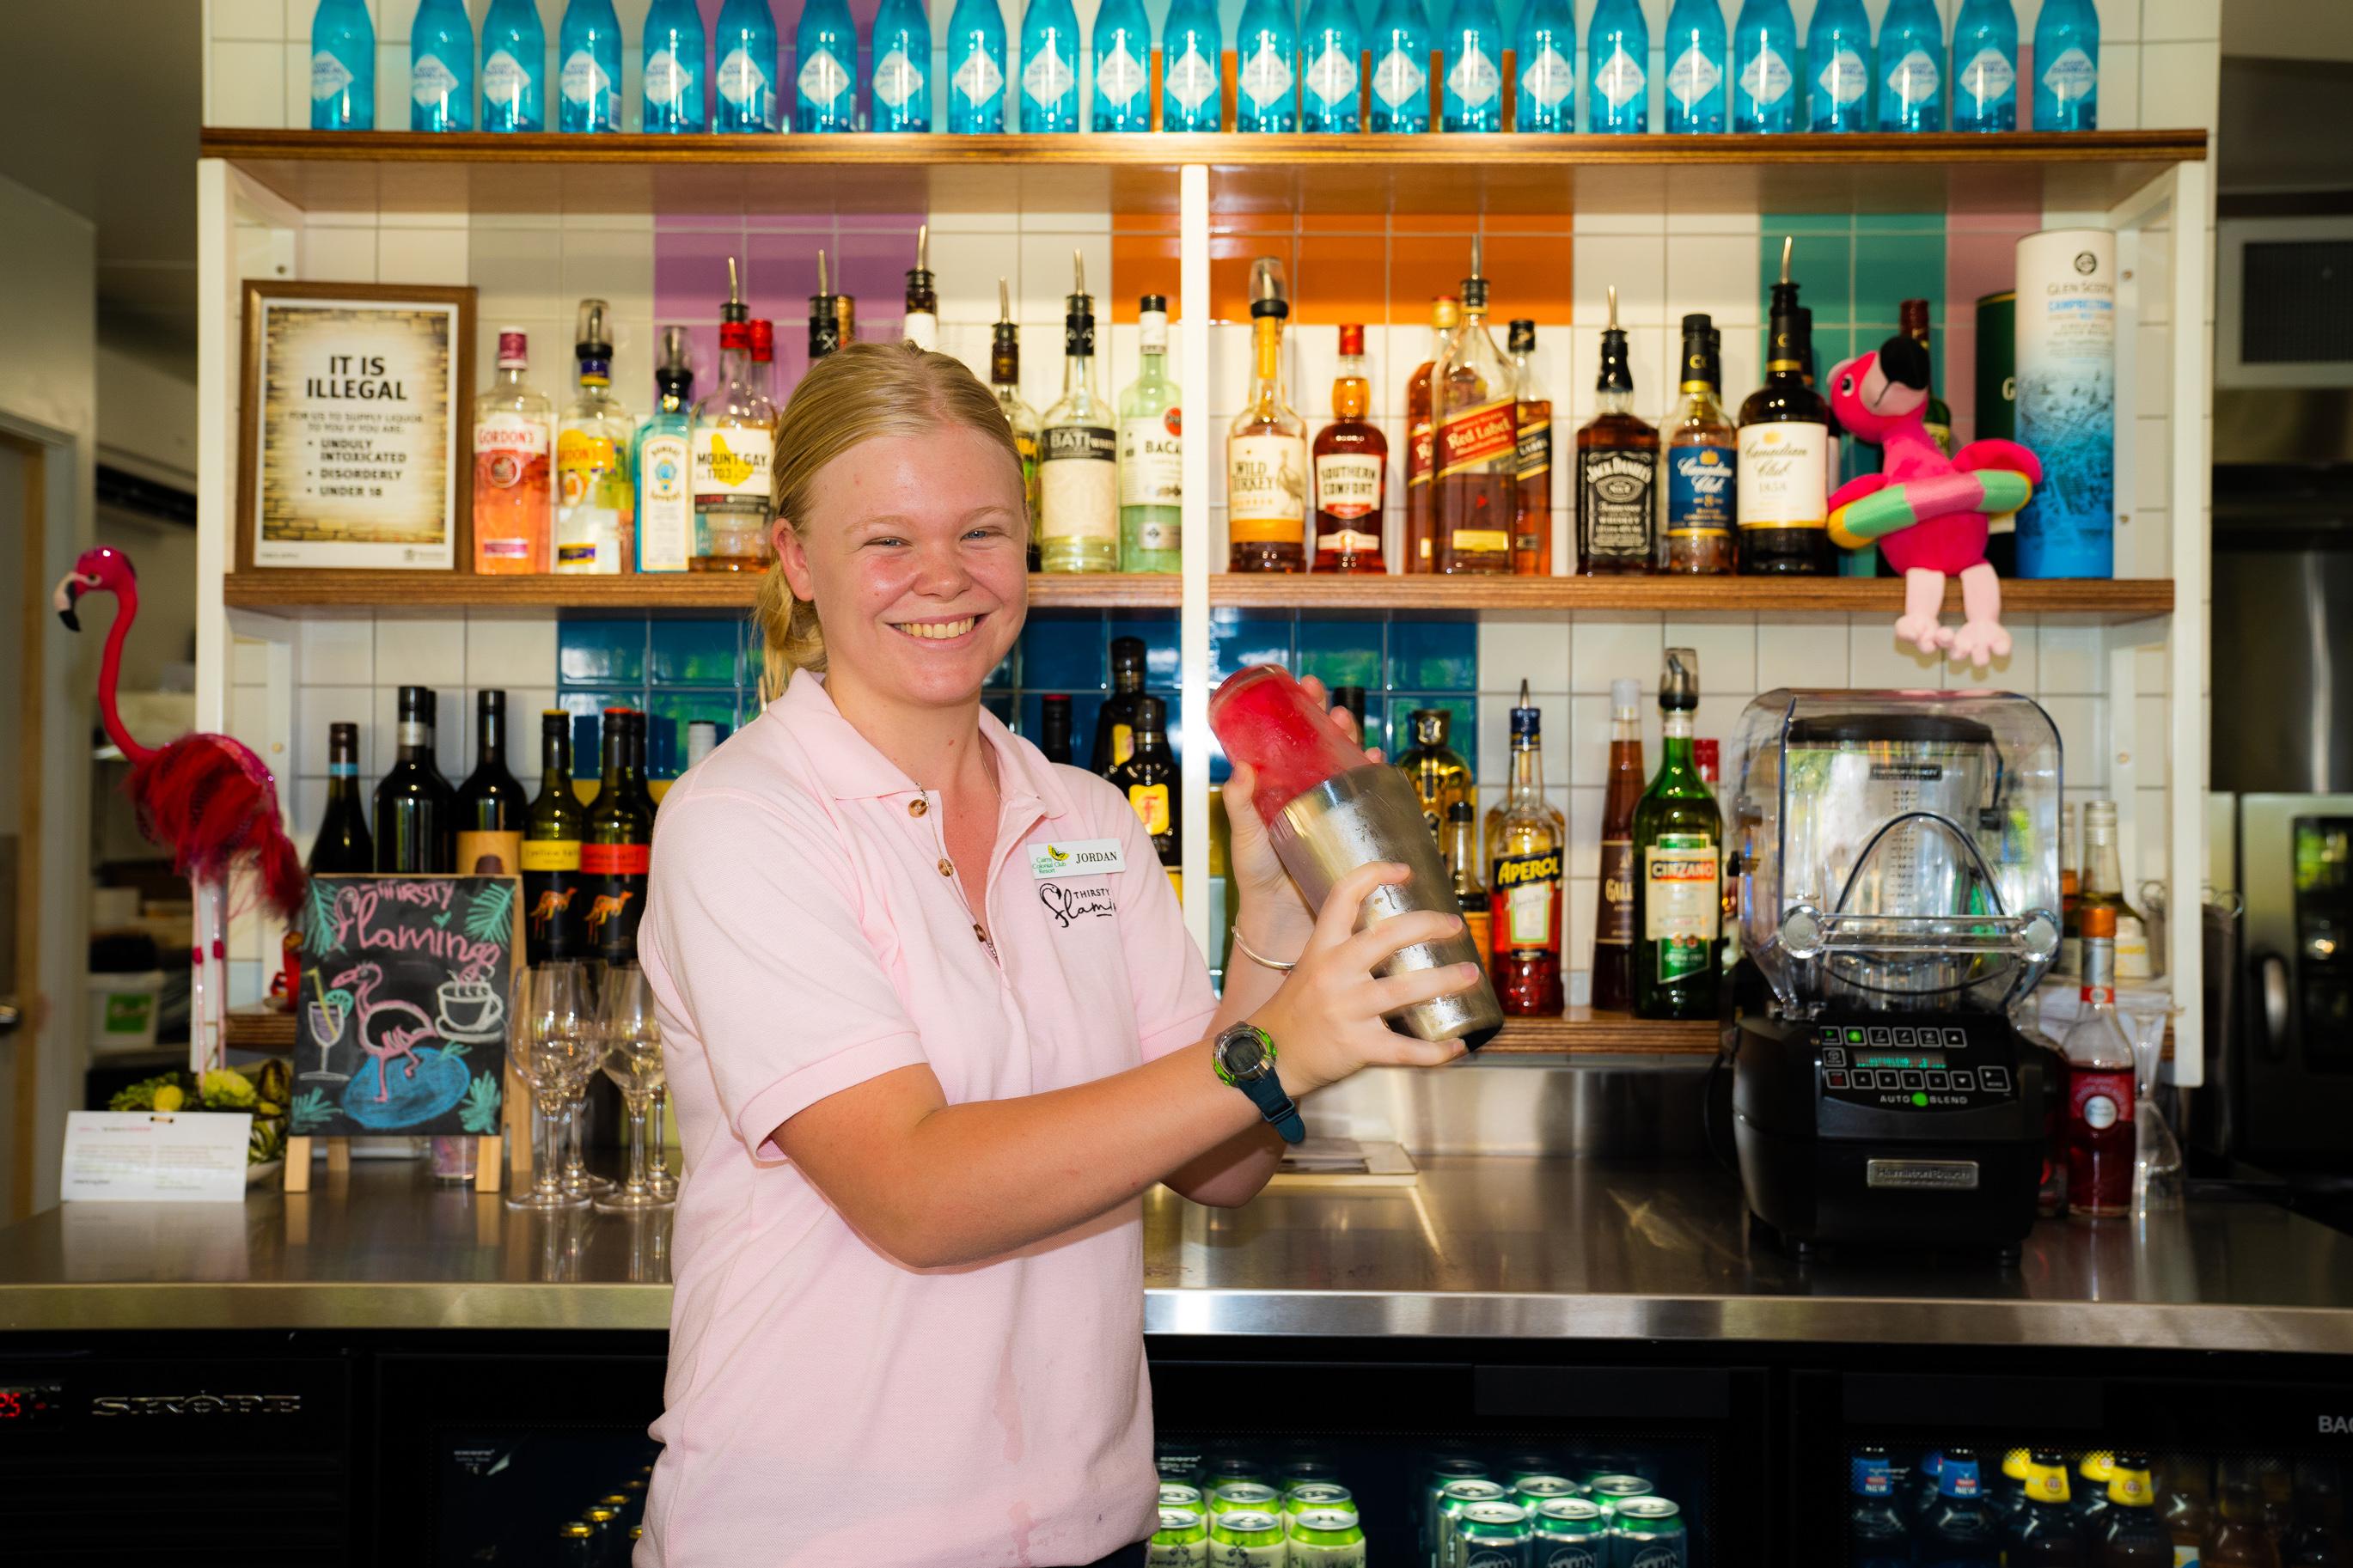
(1245, 1055)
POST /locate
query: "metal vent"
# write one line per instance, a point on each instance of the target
(2297, 302)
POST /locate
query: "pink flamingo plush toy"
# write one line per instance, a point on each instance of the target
(1926, 511)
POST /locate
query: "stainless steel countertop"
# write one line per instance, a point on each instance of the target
(1482, 1247)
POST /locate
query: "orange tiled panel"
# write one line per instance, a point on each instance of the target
(1529, 275)
(1231, 255)
(1422, 267)
(1342, 277)
(1142, 264)
(1167, 223)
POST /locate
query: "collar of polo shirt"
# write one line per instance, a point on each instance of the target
(855, 769)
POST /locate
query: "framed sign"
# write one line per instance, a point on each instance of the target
(353, 417)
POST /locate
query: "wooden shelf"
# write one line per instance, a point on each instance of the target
(260, 1027)
(294, 592)
(2119, 600)
(1585, 1031)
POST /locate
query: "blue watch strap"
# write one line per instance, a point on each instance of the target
(1280, 1111)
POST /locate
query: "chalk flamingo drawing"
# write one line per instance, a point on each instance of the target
(361, 981)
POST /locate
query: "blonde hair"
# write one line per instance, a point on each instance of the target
(864, 391)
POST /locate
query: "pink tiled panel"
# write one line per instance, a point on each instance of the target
(1981, 258)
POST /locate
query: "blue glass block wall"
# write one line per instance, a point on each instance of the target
(1402, 662)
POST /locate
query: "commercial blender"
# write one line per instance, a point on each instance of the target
(1898, 857)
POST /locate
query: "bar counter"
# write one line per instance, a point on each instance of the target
(1482, 1248)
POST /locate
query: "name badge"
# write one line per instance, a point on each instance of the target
(1076, 858)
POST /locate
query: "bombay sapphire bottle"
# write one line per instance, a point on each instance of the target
(673, 45)
(1695, 58)
(1838, 52)
(2067, 66)
(1985, 67)
(825, 67)
(1473, 58)
(1764, 64)
(1266, 42)
(976, 69)
(1401, 67)
(1050, 66)
(746, 48)
(1911, 80)
(514, 68)
(343, 67)
(1616, 63)
(1190, 44)
(441, 67)
(1122, 60)
(1330, 43)
(588, 75)
(902, 67)
(1544, 51)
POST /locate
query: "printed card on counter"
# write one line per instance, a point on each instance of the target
(141, 1156)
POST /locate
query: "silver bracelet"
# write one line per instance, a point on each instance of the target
(1262, 960)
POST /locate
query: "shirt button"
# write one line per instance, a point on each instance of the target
(980, 933)
(947, 868)
(917, 806)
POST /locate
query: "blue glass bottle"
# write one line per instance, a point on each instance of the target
(2067, 67)
(1698, 60)
(1617, 68)
(672, 58)
(1050, 48)
(1838, 56)
(1985, 67)
(1122, 49)
(1765, 68)
(343, 67)
(588, 69)
(441, 67)
(1329, 44)
(1401, 44)
(901, 84)
(1544, 51)
(976, 69)
(1911, 67)
(1266, 78)
(1472, 45)
(744, 76)
(514, 68)
(1190, 44)
(825, 67)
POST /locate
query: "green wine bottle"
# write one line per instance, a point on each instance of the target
(1678, 863)
(616, 853)
(555, 922)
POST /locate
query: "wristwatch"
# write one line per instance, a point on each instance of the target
(1244, 1056)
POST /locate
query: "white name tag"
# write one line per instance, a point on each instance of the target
(1076, 858)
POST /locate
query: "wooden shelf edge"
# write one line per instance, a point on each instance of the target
(1586, 1031)
(293, 591)
(2122, 598)
(261, 1027)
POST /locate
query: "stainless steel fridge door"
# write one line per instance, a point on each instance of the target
(2295, 1067)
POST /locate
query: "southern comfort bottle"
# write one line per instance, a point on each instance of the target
(1266, 450)
(1475, 418)
(1352, 459)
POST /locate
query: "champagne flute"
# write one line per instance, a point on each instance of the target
(550, 1016)
(633, 1062)
(663, 1183)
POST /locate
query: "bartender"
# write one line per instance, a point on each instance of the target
(933, 1023)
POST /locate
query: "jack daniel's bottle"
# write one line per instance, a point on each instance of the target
(1617, 471)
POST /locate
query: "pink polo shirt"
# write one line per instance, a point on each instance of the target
(826, 1405)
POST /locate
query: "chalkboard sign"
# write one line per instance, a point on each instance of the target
(402, 1024)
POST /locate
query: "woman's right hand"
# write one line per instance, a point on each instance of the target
(1326, 1019)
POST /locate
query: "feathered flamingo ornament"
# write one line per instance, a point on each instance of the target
(206, 799)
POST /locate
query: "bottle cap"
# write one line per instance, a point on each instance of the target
(1625, 696)
(1474, 287)
(1679, 684)
(594, 337)
(676, 370)
(1458, 812)
(1352, 339)
(1266, 290)
(1430, 726)
(1151, 304)
(922, 291)
(1151, 714)
(733, 309)
(417, 702)
(1523, 338)
(1912, 318)
(764, 342)
(514, 349)
(1527, 720)
(1445, 312)
(1126, 653)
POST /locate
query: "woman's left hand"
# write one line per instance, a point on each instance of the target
(1271, 914)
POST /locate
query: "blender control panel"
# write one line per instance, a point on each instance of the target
(1945, 1064)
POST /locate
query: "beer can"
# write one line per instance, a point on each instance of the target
(1306, 1471)
(1435, 1478)
(1457, 1497)
(1533, 1491)
(1648, 1532)
(1494, 1536)
(1610, 1490)
(1179, 1494)
(1317, 1495)
(1245, 1497)
(1327, 1538)
(1225, 1469)
(1182, 1540)
(1570, 1533)
(1517, 1466)
(1247, 1539)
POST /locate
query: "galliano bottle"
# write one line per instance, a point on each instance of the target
(1266, 449)
(1475, 427)
(1782, 491)
(1077, 452)
(1151, 452)
(592, 497)
(663, 461)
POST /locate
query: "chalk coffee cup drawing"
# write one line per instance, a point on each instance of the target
(470, 1010)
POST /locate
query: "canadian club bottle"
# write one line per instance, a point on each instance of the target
(555, 915)
(1266, 448)
(617, 851)
(489, 803)
(1782, 493)
(1421, 442)
(1115, 720)
(416, 809)
(1613, 925)
(343, 846)
(1532, 515)
(1678, 856)
(1523, 883)
(1617, 471)
(1352, 461)
(1149, 778)
(1475, 416)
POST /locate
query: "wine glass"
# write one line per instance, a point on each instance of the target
(552, 1020)
(658, 1178)
(2158, 1177)
(633, 1062)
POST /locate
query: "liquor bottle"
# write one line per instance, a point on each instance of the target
(920, 321)
(1678, 860)
(1765, 54)
(663, 461)
(1151, 452)
(734, 444)
(1266, 42)
(1697, 63)
(2130, 1533)
(1054, 729)
(674, 50)
(1400, 51)
(1352, 698)
(415, 810)
(616, 851)
(1191, 45)
(1460, 847)
(1911, 75)
(514, 68)
(832, 319)
(1912, 320)
(901, 81)
(1544, 51)
(2100, 1082)
(2044, 1533)
(343, 67)
(588, 81)
(1617, 471)
(1050, 66)
(1782, 492)
(1473, 46)
(489, 803)
(1440, 777)
(1618, 52)
(1114, 739)
(1004, 380)
(2088, 1492)
(513, 436)
(1526, 839)
(1077, 452)
(1613, 920)
(1532, 475)
(975, 60)
(744, 45)
(1875, 1532)
(1266, 448)
(634, 726)
(554, 915)
(1148, 779)
(1352, 461)
(1959, 1530)
(441, 67)
(344, 847)
(701, 740)
(2236, 1538)
(764, 364)
(2104, 887)
(592, 460)
(2188, 1510)
(824, 67)
(1702, 449)
(1985, 67)
(1920, 1499)
(2316, 1539)
(1837, 52)
(2067, 67)
(2071, 900)
(1421, 442)
(1121, 46)
(1475, 437)
(1330, 42)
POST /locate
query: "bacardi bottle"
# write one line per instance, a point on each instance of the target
(1151, 452)
(1476, 425)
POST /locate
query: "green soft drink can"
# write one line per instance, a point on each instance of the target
(1611, 1491)
(1532, 1492)
(1457, 1497)
(1327, 1538)
(1435, 1478)
(1246, 1539)
(1494, 1536)
(1317, 1495)
(1307, 1472)
(1181, 1494)
(1245, 1497)
(1182, 1540)
(1570, 1533)
(1648, 1532)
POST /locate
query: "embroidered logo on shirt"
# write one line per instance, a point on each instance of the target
(1076, 858)
(1070, 905)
